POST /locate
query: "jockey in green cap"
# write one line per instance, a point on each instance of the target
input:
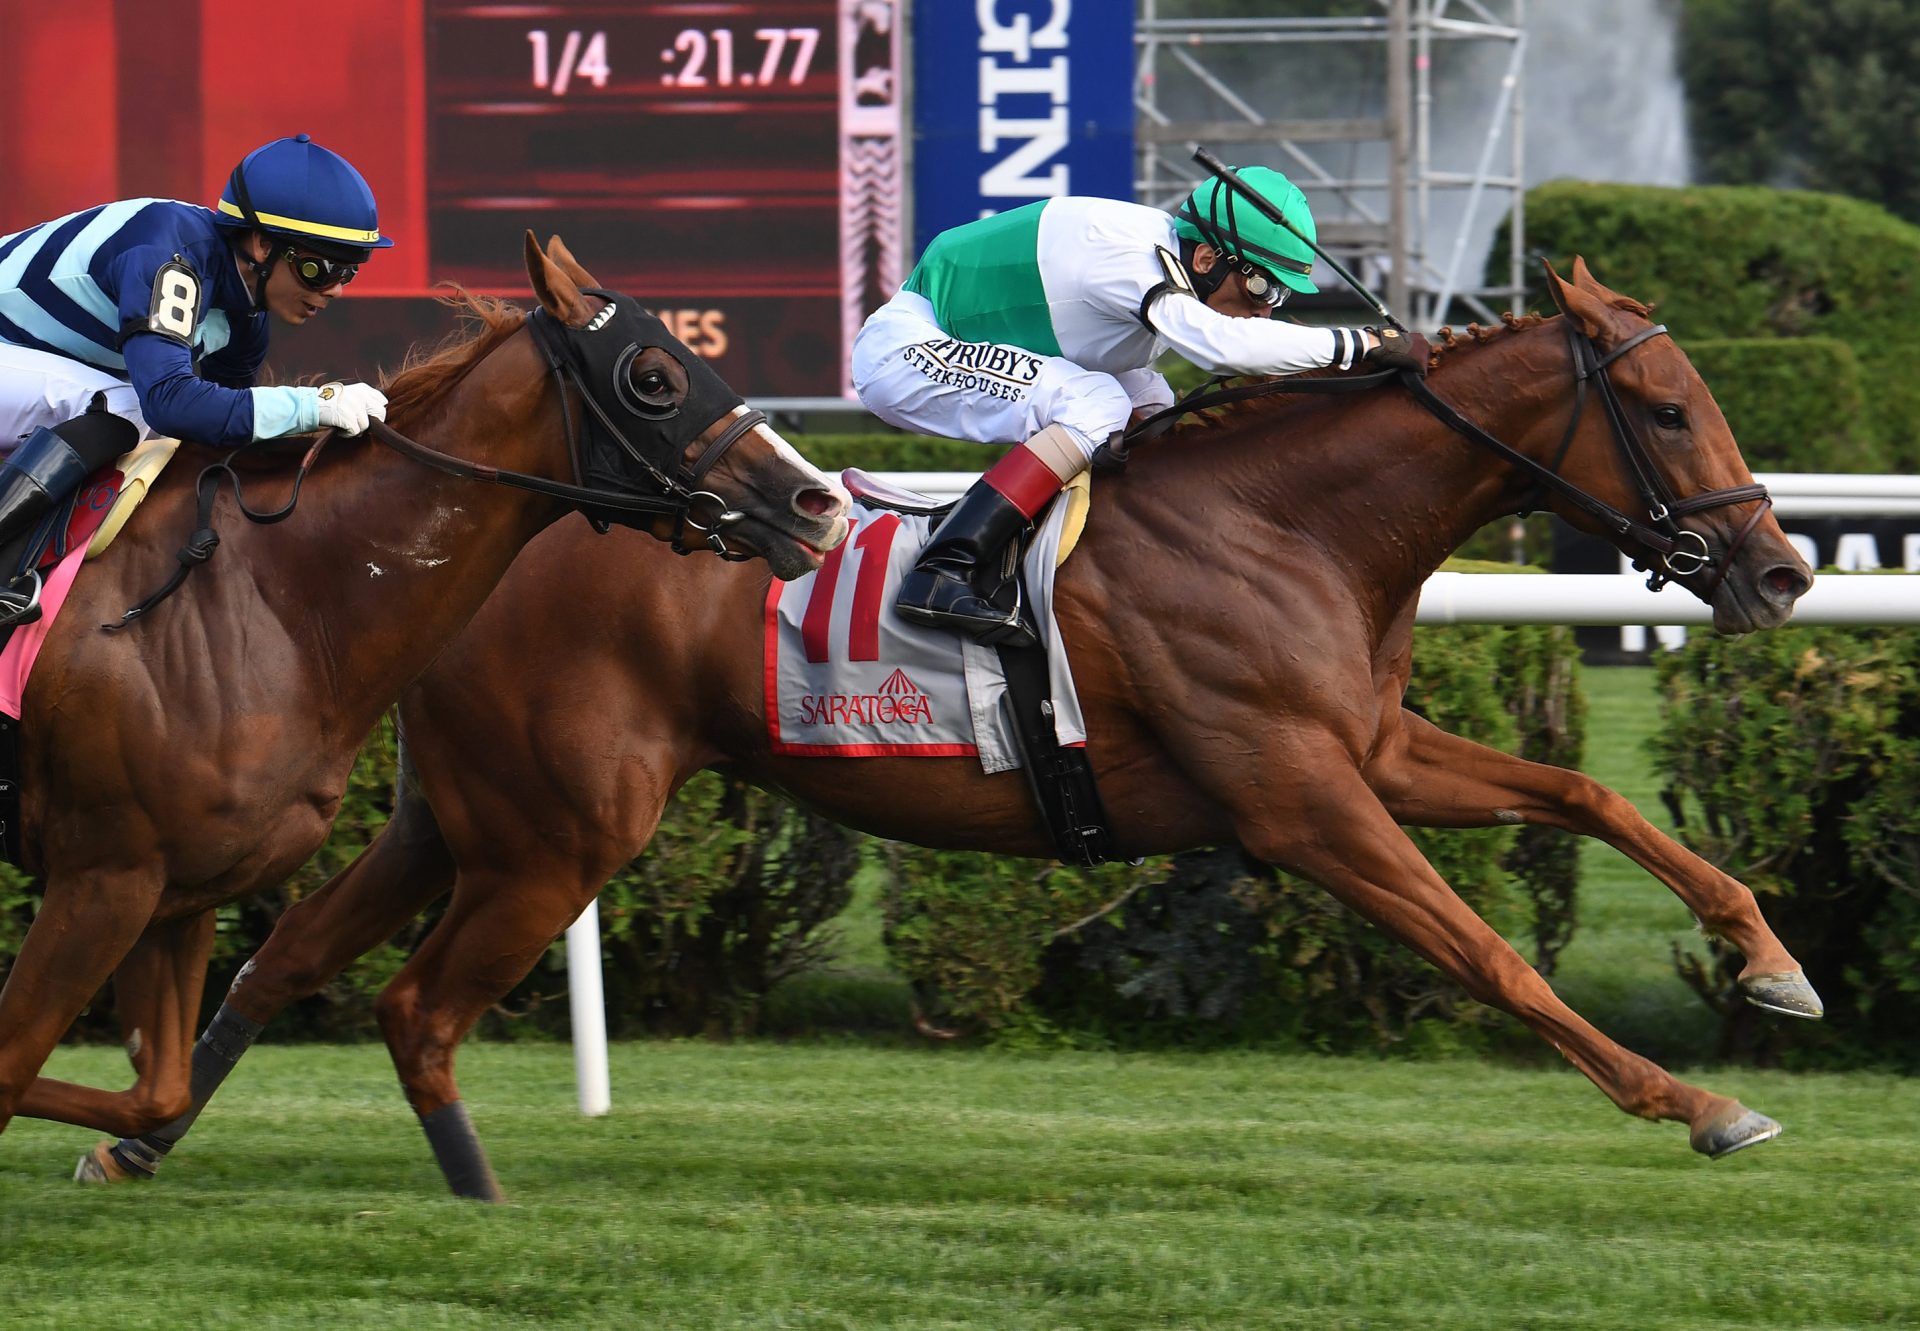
(1039, 327)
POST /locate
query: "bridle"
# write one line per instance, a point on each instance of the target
(1667, 551)
(701, 511)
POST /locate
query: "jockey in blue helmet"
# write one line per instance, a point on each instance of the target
(149, 317)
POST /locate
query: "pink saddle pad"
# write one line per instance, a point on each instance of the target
(23, 648)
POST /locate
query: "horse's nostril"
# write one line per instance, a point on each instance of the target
(817, 503)
(1786, 582)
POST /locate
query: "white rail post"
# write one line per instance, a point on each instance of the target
(587, 1001)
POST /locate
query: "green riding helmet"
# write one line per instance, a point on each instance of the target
(1216, 215)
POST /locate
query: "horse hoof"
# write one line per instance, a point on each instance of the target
(1734, 1128)
(99, 1166)
(1785, 992)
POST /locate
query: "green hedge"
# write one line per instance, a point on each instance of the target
(1791, 759)
(1747, 262)
(1796, 405)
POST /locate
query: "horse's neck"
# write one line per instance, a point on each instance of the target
(1380, 482)
(396, 556)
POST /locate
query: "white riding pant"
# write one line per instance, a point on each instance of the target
(912, 374)
(39, 389)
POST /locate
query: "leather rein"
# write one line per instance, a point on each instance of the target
(677, 499)
(1668, 550)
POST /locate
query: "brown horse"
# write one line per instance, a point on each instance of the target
(201, 754)
(1240, 615)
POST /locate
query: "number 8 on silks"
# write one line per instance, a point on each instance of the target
(160, 311)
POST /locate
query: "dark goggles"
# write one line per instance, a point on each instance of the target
(317, 274)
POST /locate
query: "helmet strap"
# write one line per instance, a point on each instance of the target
(262, 268)
(1205, 284)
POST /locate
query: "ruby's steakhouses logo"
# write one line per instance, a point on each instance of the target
(898, 701)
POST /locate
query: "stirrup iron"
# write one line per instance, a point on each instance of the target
(17, 607)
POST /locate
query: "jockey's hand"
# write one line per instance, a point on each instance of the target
(1396, 350)
(348, 407)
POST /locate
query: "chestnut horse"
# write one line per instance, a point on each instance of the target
(201, 754)
(1240, 615)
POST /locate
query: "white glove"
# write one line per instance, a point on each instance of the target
(348, 407)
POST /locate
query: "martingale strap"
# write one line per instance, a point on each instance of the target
(205, 540)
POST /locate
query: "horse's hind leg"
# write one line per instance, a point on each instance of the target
(1434, 779)
(362, 906)
(86, 924)
(1333, 830)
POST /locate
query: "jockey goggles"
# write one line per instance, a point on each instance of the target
(1261, 285)
(317, 274)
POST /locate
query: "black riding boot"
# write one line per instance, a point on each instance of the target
(953, 584)
(40, 473)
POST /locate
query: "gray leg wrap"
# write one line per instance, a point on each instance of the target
(227, 1036)
(462, 1159)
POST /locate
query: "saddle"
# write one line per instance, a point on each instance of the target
(1059, 777)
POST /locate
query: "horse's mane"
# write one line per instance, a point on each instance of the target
(485, 322)
(1445, 340)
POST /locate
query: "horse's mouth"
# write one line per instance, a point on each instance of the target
(790, 554)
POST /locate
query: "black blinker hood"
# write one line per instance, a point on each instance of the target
(627, 439)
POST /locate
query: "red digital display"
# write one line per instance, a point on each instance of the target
(693, 154)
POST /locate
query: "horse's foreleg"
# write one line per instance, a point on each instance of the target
(87, 923)
(1434, 779)
(1333, 830)
(392, 880)
(495, 929)
(156, 994)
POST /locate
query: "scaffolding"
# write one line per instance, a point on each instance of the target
(1269, 90)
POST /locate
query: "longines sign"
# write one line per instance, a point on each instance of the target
(1018, 100)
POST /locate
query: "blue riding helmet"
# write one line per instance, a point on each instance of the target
(295, 188)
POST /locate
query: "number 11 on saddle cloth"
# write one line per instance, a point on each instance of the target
(847, 678)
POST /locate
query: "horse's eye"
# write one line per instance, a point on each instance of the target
(1670, 418)
(654, 391)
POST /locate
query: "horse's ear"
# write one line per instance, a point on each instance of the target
(1583, 278)
(557, 251)
(1577, 302)
(558, 293)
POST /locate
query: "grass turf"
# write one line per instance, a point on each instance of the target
(819, 1186)
(840, 1186)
